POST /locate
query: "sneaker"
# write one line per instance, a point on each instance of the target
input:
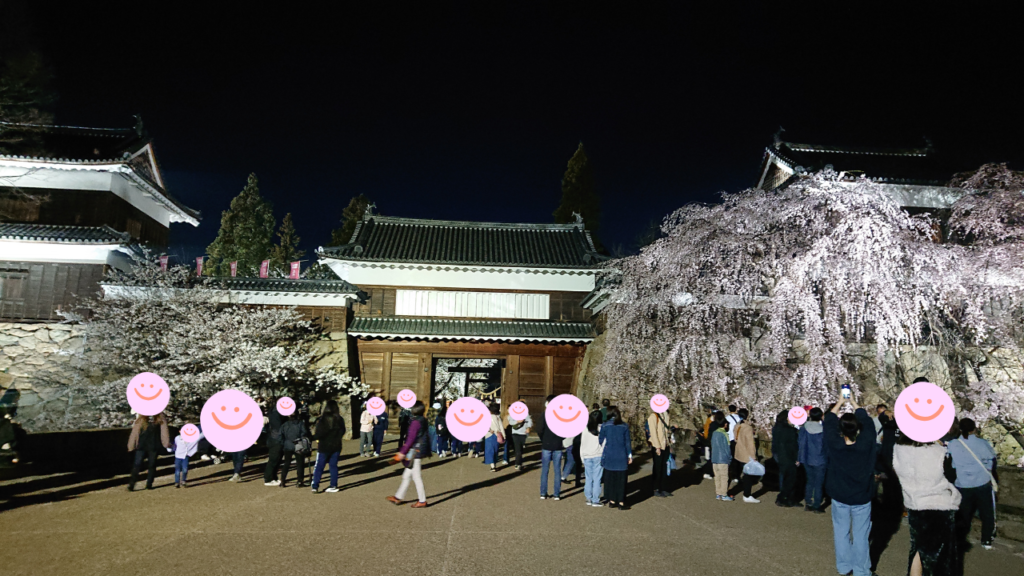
(505, 462)
(177, 485)
(272, 483)
(314, 490)
(236, 478)
(727, 498)
(819, 511)
(131, 488)
(376, 454)
(205, 457)
(986, 546)
(751, 500)
(493, 469)
(597, 505)
(709, 477)
(718, 496)
(543, 496)
(556, 498)
(519, 467)
(734, 481)
(184, 484)
(660, 494)
(332, 490)
(624, 507)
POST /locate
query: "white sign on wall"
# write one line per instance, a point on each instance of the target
(472, 304)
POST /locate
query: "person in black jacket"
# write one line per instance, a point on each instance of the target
(785, 450)
(274, 449)
(550, 453)
(292, 430)
(850, 482)
(329, 431)
(378, 432)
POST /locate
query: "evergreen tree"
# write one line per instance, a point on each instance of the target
(350, 216)
(579, 195)
(287, 249)
(246, 234)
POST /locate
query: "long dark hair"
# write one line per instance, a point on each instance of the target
(594, 421)
(614, 415)
(331, 410)
(418, 408)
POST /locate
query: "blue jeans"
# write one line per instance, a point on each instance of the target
(442, 443)
(554, 457)
(432, 432)
(180, 469)
(238, 458)
(815, 478)
(592, 485)
(322, 460)
(491, 449)
(474, 447)
(570, 464)
(852, 521)
(456, 445)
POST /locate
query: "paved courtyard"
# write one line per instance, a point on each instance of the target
(479, 523)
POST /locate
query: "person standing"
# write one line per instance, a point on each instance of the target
(811, 456)
(721, 456)
(507, 449)
(183, 450)
(746, 451)
(411, 454)
(292, 430)
(274, 447)
(329, 431)
(366, 423)
(591, 451)
(551, 450)
(520, 431)
(145, 440)
(431, 417)
(616, 459)
(785, 445)
(932, 503)
(605, 405)
(849, 480)
(491, 444)
(443, 436)
(378, 432)
(734, 419)
(404, 416)
(661, 433)
(974, 460)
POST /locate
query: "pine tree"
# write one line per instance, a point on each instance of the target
(287, 249)
(579, 195)
(350, 216)
(246, 234)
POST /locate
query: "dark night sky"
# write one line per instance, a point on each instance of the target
(463, 112)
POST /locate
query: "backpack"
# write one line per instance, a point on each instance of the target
(303, 446)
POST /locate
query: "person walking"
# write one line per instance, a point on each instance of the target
(551, 451)
(605, 405)
(616, 459)
(274, 447)
(849, 481)
(520, 432)
(974, 460)
(721, 456)
(785, 445)
(591, 451)
(146, 438)
(411, 454)
(366, 423)
(329, 431)
(507, 448)
(404, 416)
(292, 431)
(378, 432)
(811, 456)
(183, 450)
(932, 503)
(746, 451)
(443, 436)
(661, 433)
(494, 438)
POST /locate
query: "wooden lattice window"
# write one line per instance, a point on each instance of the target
(12, 294)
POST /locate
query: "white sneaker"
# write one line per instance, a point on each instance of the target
(205, 457)
(709, 477)
(376, 453)
(272, 483)
(236, 478)
(332, 490)
(733, 482)
(751, 500)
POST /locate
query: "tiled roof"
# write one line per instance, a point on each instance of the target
(387, 239)
(288, 285)
(893, 165)
(72, 142)
(434, 329)
(63, 234)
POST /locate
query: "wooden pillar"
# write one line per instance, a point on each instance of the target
(385, 377)
(423, 376)
(549, 375)
(510, 382)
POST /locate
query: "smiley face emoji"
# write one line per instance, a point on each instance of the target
(285, 406)
(148, 394)
(468, 419)
(797, 415)
(376, 406)
(924, 412)
(191, 433)
(406, 398)
(518, 411)
(659, 403)
(232, 421)
(566, 415)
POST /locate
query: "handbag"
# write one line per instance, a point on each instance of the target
(670, 464)
(501, 437)
(995, 485)
(753, 468)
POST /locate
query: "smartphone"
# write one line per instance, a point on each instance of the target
(846, 391)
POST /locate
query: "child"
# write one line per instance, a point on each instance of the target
(721, 455)
(182, 450)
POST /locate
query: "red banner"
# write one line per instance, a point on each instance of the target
(296, 266)
(199, 265)
(264, 268)
(234, 268)
(163, 263)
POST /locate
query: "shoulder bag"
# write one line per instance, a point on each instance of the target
(995, 485)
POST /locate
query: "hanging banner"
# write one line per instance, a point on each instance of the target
(199, 265)
(234, 268)
(264, 268)
(163, 263)
(296, 266)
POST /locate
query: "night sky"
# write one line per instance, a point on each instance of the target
(466, 112)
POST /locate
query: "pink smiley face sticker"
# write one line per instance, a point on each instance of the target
(406, 398)
(566, 415)
(468, 419)
(285, 406)
(659, 403)
(924, 412)
(148, 394)
(797, 416)
(376, 406)
(518, 411)
(191, 433)
(232, 421)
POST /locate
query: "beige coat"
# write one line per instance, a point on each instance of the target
(158, 420)
(746, 447)
(659, 432)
